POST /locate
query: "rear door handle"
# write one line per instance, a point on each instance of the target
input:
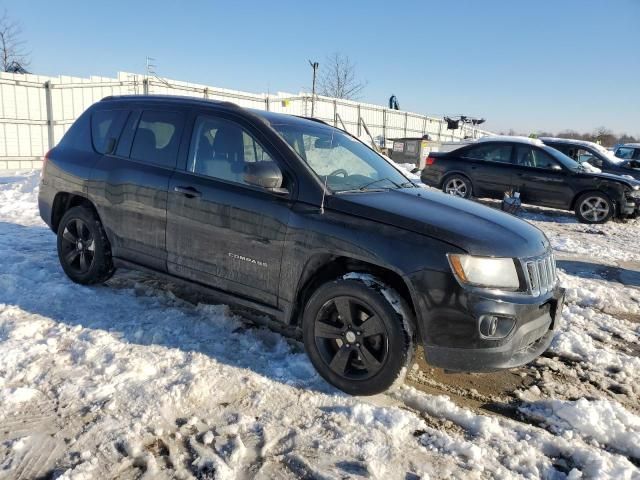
(188, 192)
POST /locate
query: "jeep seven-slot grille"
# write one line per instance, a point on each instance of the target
(541, 274)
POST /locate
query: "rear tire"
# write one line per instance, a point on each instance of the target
(458, 186)
(83, 248)
(593, 208)
(355, 338)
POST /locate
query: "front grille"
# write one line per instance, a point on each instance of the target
(541, 274)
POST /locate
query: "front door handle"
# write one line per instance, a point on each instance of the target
(188, 192)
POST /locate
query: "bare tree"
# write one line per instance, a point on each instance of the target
(338, 78)
(13, 56)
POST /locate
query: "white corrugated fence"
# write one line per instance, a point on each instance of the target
(36, 111)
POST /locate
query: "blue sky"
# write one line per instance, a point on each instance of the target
(526, 65)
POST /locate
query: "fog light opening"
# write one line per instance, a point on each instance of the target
(495, 326)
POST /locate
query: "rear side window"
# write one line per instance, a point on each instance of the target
(157, 138)
(490, 153)
(106, 126)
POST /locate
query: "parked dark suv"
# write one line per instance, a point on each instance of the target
(597, 156)
(301, 221)
(544, 176)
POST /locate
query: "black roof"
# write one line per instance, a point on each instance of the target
(270, 117)
(170, 99)
(283, 118)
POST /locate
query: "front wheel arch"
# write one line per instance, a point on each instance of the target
(325, 268)
(575, 198)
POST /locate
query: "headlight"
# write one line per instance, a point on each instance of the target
(484, 271)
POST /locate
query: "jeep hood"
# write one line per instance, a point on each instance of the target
(475, 228)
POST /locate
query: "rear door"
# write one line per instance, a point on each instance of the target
(222, 231)
(130, 185)
(489, 165)
(540, 179)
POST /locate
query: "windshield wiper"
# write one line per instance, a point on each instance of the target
(409, 184)
(364, 187)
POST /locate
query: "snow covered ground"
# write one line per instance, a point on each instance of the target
(128, 380)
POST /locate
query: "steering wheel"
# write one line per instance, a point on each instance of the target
(340, 171)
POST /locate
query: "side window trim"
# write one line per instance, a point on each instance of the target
(126, 137)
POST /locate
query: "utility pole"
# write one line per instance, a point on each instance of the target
(315, 66)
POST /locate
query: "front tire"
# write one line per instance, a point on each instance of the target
(458, 186)
(83, 249)
(594, 207)
(355, 338)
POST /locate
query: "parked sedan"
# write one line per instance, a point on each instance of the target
(544, 176)
(598, 156)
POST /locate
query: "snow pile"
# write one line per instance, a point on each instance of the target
(505, 448)
(604, 422)
(612, 242)
(18, 197)
(599, 295)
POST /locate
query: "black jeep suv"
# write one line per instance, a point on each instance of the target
(491, 166)
(301, 221)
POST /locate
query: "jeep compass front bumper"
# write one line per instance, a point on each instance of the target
(475, 331)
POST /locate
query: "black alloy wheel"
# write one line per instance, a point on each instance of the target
(78, 246)
(355, 338)
(351, 340)
(83, 248)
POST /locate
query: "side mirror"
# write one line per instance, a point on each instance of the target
(266, 175)
(556, 168)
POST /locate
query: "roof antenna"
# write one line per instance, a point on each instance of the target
(324, 193)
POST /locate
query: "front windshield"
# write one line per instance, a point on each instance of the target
(339, 159)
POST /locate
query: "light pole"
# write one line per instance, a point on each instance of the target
(314, 66)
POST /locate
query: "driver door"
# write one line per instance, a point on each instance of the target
(221, 231)
(540, 179)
